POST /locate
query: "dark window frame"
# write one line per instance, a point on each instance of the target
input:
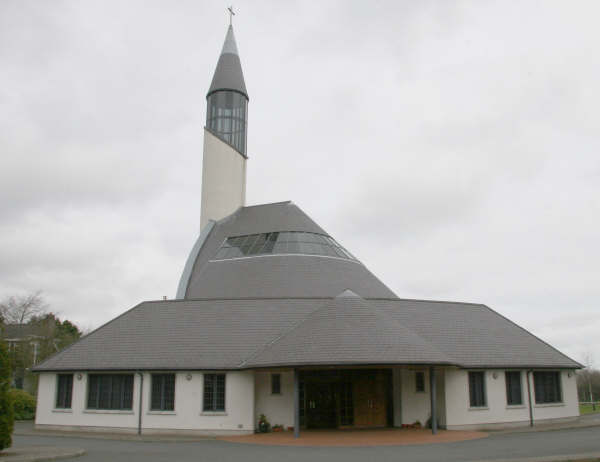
(110, 392)
(64, 391)
(164, 385)
(547, 387)
(214, 393)
(514, 388)
(276, 384)
(477, 389)
(419, 382)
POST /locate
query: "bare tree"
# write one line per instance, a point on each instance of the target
(20, 309)
(589, 364)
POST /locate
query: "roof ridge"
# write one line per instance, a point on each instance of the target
(79, 340)
(267, 203)
(209, 299)
(424, 300)
(376, 312)
(266, 346)
(385, 315)
(533, 335)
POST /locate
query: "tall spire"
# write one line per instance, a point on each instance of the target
(228, 74)
(224, 165)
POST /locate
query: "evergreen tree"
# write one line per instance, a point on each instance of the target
(6, 406)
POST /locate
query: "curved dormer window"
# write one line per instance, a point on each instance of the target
(286, 242)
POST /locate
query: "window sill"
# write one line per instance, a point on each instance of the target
(161, 413)
(549, 405)
(516, 406)
(479, 408)
(68, 411)
(211, 413)
(106, 411)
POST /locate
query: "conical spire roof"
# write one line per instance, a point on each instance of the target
(228, 74)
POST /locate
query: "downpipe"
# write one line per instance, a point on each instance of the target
(140, 405)
(529, 398)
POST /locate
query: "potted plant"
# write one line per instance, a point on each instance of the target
(263, 424)
(277, 428)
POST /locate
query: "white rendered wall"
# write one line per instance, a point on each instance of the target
(78, 416)
(415, 405)
(459, 415)
(279, 409)
(223, 180)
(187, 416)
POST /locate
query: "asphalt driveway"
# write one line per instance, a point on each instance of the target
(497, 446)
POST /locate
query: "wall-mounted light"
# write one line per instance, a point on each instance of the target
(79, 376)
(495, 375)
(188, 377)
(570, 374)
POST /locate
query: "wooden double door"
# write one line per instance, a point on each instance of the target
(370, 400)
(358, 399)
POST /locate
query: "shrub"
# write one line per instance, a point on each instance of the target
(23, 404)
(263, 424)
(6, 408)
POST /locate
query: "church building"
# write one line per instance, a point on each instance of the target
(274, 317)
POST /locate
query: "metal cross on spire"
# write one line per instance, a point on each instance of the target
(231, 14)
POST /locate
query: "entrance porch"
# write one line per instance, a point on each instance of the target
(345, 398)
(368, 397)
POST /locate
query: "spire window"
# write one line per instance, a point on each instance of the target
(226, 117)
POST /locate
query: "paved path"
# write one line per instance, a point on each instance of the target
(495, 447)
(39, 453)
(356, 437)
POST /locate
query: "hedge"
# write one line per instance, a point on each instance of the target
(6, 406)
(23, 404)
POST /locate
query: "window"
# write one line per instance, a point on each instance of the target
(346, 404)
(514, 395)
(226, 117)
(547, 387)
(163, 392)
(419, 381)
(285, 242)
(477, 388)
(275, 384)
(214, 393)
(64, 391)
(110, 391)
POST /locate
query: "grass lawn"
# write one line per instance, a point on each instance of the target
(587, 408)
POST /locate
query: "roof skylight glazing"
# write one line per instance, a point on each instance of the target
(287, 242)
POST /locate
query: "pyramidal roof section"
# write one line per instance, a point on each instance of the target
(348, 330)
(228, 74)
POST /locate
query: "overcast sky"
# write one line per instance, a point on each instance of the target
(453, 147)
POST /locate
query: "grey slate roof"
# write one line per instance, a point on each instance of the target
(275, 275)
(348, 330)
(228, 73)
(298, 310)
(252, 333)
